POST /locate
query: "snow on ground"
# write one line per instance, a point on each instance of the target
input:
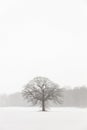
(33, 119)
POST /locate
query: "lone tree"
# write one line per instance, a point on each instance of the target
(40, 91)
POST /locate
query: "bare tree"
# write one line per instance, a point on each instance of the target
(41, 91)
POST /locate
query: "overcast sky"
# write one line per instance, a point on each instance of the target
(42, 38)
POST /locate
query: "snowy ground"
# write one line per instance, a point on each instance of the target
(31, 119)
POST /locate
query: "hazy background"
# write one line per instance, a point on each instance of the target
(72, 98)
(42, 38)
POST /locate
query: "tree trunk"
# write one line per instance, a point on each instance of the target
(43, 105)
(43, 102)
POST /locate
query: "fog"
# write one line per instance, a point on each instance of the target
(42, 38)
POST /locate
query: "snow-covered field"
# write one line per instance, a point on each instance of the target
(32, 119)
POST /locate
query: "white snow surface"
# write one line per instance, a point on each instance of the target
(13, 118)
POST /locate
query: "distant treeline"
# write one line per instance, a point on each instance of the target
(76, 97)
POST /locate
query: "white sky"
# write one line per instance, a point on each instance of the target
(42, 38)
